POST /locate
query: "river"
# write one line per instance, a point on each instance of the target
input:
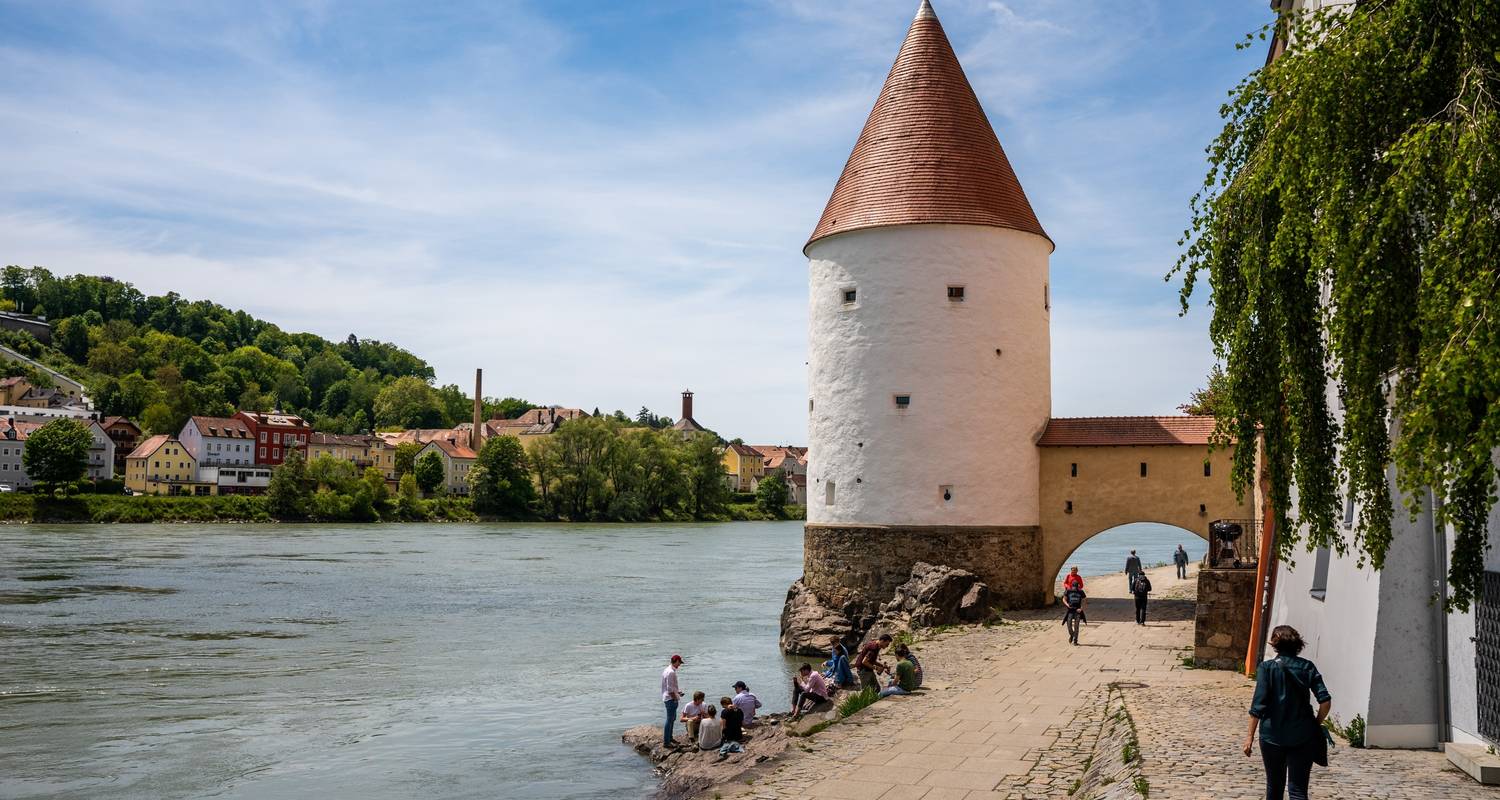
(373, 662)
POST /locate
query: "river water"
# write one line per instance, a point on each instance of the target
(373, 662)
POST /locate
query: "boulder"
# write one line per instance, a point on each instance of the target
(807, 624)
(936, 595)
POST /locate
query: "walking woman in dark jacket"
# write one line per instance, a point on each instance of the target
(1291, 734)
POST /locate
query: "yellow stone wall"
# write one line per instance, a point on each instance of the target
(1109, 491)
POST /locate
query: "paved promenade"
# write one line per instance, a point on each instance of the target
(1014, 712)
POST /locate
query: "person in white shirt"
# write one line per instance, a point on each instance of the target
(747, 702)
(694, 712)
(710, 731)
(669, 696)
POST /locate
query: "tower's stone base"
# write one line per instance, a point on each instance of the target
(855, 568)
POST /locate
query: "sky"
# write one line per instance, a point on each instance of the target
(599, 202)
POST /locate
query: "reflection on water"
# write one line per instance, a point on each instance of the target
(442, 661)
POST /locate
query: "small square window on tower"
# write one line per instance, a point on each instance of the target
(1208, 470)
(850, 295)
(903, 402)
(956, 294)
(1143, 469)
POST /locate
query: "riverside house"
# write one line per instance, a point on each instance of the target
(101, 454)
(218, 441)
(743, 467)
(276, 434)
(13, 435)
(161, 465)
(458, 459)
(126, 435)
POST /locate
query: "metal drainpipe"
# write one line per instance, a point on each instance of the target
(1440, 563)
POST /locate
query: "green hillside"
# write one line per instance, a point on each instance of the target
(161, 359)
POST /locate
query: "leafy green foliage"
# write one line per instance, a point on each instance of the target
(289, 493)
(410, 403)
(770, 495)
(179, 358)
(1349, 227)
(857, 702)
(57, 453)
(406, 457)
(500, 481)
(429, 472)
(707, 490)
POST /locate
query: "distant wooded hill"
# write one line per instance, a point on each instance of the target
(160, 359)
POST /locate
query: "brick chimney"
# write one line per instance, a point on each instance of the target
(474, 438)
(687, 404)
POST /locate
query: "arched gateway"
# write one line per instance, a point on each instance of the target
(929, 370)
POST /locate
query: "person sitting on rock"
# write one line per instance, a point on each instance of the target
(746, 701)
(808, 689)
(733, 720)
(693, 713)
(905, 679)
(838, 672)
(710, 731)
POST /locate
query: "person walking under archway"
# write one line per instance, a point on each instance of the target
(1140, 587)
(1074, 600)
(1292, 738)
(1180, 558)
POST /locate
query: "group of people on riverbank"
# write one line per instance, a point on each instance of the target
(722, 727)
(709, 727)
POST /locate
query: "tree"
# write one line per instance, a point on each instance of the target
(72, 337)
(57, 453)
(336, 474)
(511, 407)
(409, 498)
(429, 472)
(289, 492)
(406, 457)
(705, 475)
(1212, 400)
(159, 418)
(500, 481)
(408, 403)
(770, 495)
(1363, 166)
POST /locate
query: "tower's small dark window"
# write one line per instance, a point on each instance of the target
(1046, 297)
(903, 401)
(1068, 509)
(1143, 469)
(1075, 469)
(956, 294)
(850, 295)
(1208, 470)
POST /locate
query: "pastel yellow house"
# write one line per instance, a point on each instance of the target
(743, 467)
(161, 465)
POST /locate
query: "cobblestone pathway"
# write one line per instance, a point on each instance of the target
(1190, 731)
(1023, 718)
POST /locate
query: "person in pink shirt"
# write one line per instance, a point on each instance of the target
(808, 689)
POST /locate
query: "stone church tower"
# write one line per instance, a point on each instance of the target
(930, 355)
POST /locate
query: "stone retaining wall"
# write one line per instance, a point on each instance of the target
(1221, 633)
(860, 565)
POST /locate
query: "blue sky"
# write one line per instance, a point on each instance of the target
(599, 202)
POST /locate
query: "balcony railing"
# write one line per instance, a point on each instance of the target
(1234, 543)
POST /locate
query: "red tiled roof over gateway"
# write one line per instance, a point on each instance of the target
(1126, 431)
(927, 153)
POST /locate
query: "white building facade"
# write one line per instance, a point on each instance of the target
(218, 441)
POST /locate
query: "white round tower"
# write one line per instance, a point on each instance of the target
(929, 367)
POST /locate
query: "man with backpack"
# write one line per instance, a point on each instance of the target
(1140, 586)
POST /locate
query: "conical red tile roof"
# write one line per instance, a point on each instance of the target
(927, 153)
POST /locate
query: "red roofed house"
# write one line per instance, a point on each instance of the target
(275, 434)
(125, 435)
(743, 467)
(458, 459)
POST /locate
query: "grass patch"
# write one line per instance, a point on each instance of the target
(1142, 786)
(814, 730)
(1077, 784)
(1130, 751)
(855, 703)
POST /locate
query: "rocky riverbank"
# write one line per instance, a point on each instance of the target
(687, 771)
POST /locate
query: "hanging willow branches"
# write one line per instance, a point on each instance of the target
(1350, 231)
